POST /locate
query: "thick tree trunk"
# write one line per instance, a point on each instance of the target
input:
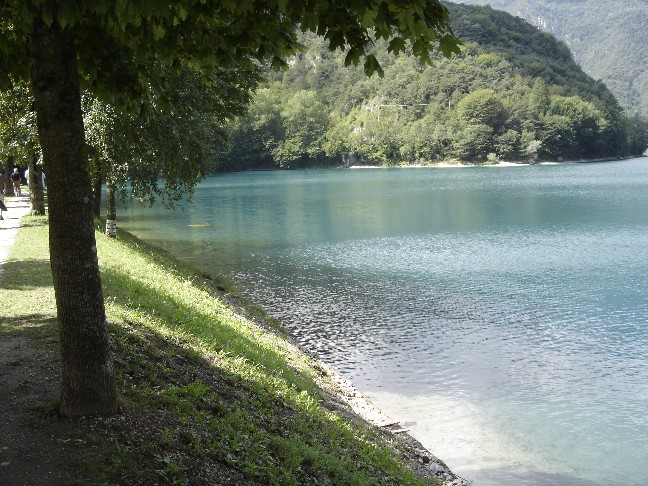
(111, 209)
(88, 380)
(35, 187)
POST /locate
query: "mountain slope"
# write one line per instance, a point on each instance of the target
(514, 93)
(608, 39)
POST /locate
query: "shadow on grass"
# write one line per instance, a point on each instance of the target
(33, 221)
(201, 417)
(252, 411)
(34, 326)
(26, 274)
(213, 332)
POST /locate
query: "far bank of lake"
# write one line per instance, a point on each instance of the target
(500, 315)
(498, 163)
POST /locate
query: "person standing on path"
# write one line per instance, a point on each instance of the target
(2, 194)
(15, 178)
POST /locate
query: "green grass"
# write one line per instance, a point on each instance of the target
(207, 395)
(27, 305)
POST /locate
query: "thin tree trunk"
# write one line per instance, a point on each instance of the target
(96, 197)
(35, 188)
(88, 379)
(8, 171)
(111, 209)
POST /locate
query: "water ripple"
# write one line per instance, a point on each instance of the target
(502, 313)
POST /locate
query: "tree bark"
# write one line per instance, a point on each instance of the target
(96, 197)
(35, 187)
(88, 379)
(111, 209)
(8, 171)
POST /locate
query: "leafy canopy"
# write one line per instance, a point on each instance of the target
(162, 152)
(17, 123)
(116, 39)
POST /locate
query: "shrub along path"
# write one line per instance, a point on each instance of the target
(210, 392)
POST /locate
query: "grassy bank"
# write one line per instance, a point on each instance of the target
(208, 394)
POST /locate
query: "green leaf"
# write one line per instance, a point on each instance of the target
(68, 13)
(382, 16)
(449, 45)
(368, 20)
(48, 17)
(336, 40)
(158, 32)
(278, 63)
(27, 14)
(396, 45)
(309, 21)
(371, 66)
(352, 57)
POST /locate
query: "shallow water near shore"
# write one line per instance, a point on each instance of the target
(501, 314)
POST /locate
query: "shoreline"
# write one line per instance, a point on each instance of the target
(342, 396)
(438, 165)
(364, 408)
(346, 396)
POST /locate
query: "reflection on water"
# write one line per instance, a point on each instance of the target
(501, 313)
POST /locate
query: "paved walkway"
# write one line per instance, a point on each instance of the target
(17, 208)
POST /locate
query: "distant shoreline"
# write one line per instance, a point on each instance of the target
(436, 165)
(503, 163)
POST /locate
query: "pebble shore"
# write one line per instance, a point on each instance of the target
(363, 407)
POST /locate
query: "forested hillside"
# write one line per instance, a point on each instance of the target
(514, 93)
(608, 39)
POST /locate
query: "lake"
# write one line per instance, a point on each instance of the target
(499, 313)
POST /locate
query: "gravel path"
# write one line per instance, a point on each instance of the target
(17, 208)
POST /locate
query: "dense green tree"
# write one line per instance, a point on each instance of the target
(305, 122)
(255, 135)
(19, 141)
(636, 133)
(557, 137)
(517, 80)
(588, 124)
(161, 152)
(483, 107)
(35, 181)
(473, 142)
(109, 45)
(101, 125)
(508, 145)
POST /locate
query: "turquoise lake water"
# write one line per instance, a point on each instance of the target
(501, 314)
